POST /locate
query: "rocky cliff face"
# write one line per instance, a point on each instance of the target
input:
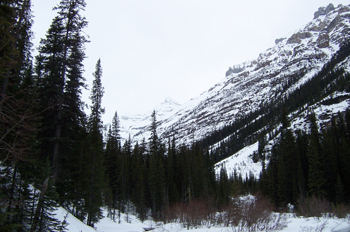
(249, 85)
(323, 10)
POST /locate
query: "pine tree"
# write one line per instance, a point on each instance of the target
(139, 177)
(16, 80)
(156, 169)
(287, 165)
(59, 71)
(112, 160)
(303, 164)
(331, 150)
(18, 121)
(344, 159)
(316, 175)
(224, 188)
(94, 159)
(171, 192)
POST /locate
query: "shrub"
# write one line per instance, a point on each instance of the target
(319, 207)
(256, 215)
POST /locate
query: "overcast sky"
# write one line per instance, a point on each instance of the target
(154, 49)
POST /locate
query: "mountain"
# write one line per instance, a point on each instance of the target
(137, 126)
(251, 85)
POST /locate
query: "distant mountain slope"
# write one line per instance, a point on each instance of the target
(137, 125)
(275, 74)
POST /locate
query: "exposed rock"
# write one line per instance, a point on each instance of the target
(343, 9)
(279, 40)
(297, 37)
(250, 84)
(323, 40)
(323, 10)
(334, 23)
(234, 70)
(244, 74)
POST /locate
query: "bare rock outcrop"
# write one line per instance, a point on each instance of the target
(323, 10)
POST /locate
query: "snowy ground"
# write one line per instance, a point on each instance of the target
(241, 162)
(294, 224)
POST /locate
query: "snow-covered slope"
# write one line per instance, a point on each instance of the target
(138, 126)
(241, 162)
(293, 223)
(253, 83)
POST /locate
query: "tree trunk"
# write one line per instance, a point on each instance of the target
(40, 205)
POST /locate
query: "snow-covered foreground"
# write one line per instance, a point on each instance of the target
(132, 224)
(293, 224)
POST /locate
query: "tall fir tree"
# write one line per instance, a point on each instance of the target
(59, 71)
(94, 158)
(18, 120)
(156, 170)
(316, 176)
(112, 161)
(287, 165)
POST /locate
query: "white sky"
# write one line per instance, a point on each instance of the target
(153, 49)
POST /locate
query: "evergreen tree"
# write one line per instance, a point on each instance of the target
(156, 169)
(330, 148)
(224, 188)
(18, 120)
(287, 165)
(94, 159)
(303, 164)
(316, 175)
(139, 180)
(344, 158)
(171, 191)
(281, 175)
(59, 71)
(112, 162)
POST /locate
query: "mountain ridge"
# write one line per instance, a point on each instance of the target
(251, 84)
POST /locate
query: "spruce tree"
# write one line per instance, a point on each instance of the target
(316, 177)
(59, 71)
(156, 169)
(139, 177)
(94, 159)
(112, 160)
(224, 188)
(344, 158)
(18, 120)
(172, 194)
(287, 165)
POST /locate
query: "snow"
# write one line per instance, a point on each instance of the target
(241, 93)
(75, 225)
(253, 82)
(242, 162)
(293, 224)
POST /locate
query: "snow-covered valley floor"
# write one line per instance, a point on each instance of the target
(132, 224)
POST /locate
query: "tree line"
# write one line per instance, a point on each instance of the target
(53, 154)
(50, 150)
(312, 163)
(243, 131)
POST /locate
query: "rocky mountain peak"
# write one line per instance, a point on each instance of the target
(323, 10)
(252, 84)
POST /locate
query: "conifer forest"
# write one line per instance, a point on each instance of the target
(52, 153)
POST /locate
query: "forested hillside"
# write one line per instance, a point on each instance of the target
(52, 153)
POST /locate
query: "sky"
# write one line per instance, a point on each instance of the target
(154, 49)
